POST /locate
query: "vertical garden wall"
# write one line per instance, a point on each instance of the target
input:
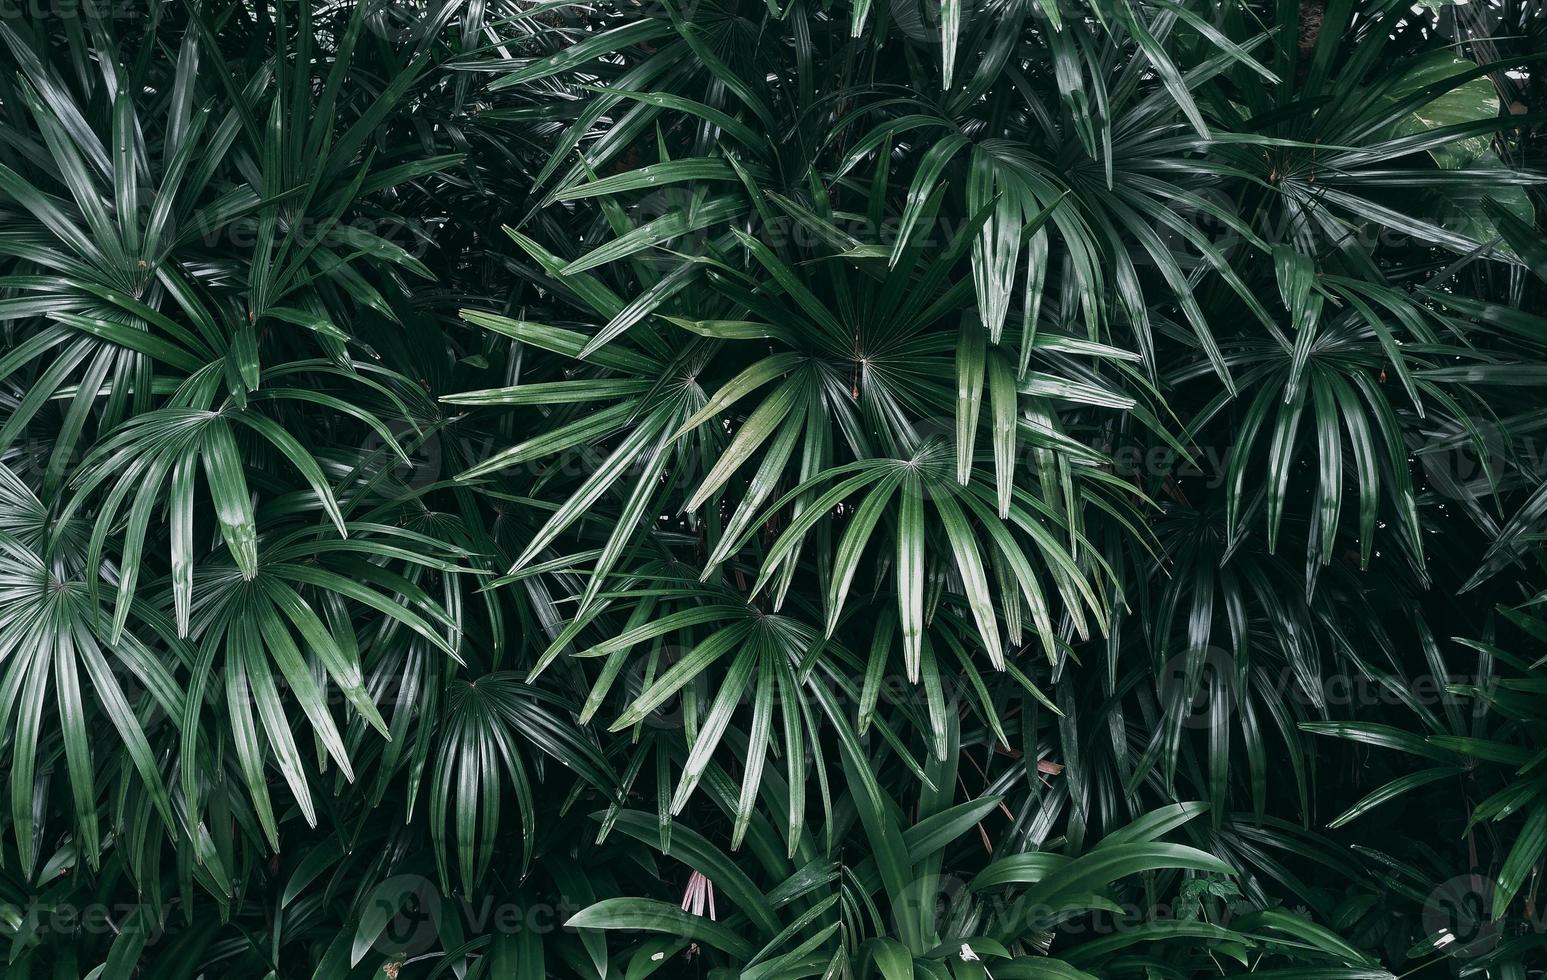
(772, 489)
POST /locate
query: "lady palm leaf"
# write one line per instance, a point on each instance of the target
(58, 648)
(258, 630)
(478, 741)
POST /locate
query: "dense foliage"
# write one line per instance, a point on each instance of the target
(772, 488)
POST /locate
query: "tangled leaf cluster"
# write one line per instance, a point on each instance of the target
(772, 488)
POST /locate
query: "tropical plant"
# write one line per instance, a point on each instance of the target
(987, 489)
